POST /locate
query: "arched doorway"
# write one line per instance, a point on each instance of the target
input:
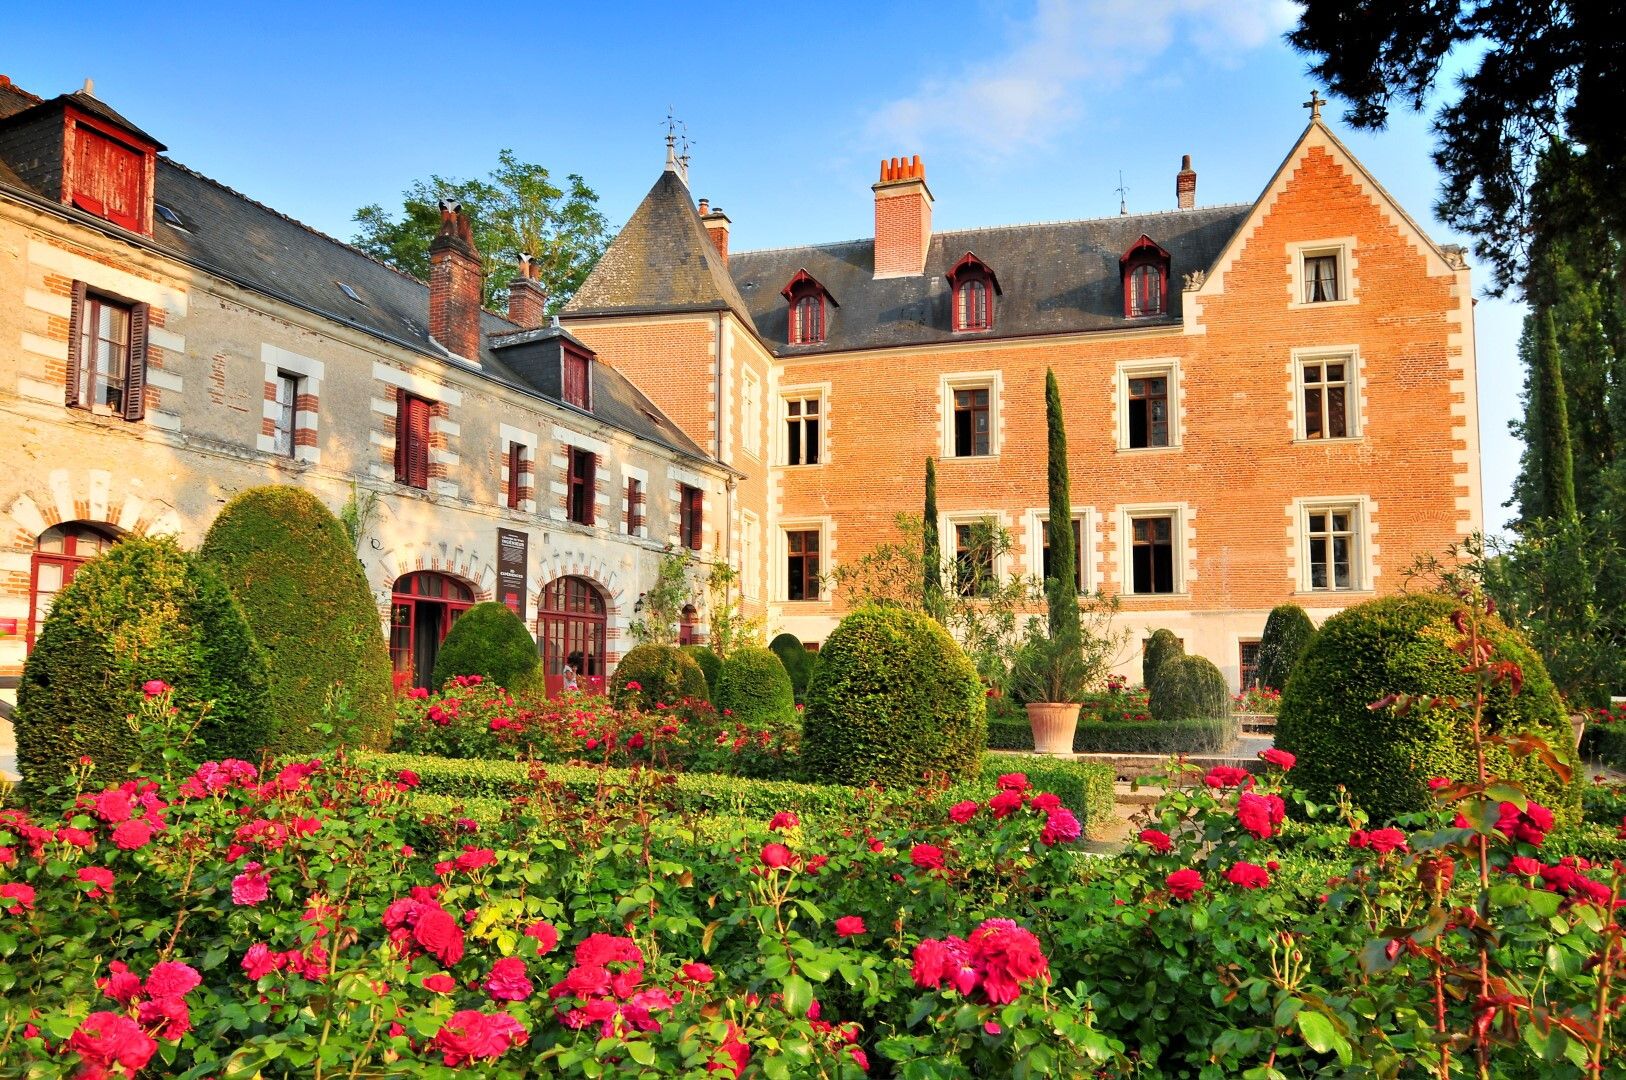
(689, 626)
(423, 608)
(58, 554)
(571, 628)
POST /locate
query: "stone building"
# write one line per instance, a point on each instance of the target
(1265, 402)
(168, 342)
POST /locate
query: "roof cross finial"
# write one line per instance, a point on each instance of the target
(1123, 196)
(677, 159)
(1314, 105)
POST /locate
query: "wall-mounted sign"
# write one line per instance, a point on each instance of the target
(513, 555)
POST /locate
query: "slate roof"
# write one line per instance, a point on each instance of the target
(660, 261)
(82, 101)
(232, 236)
(1055, 277)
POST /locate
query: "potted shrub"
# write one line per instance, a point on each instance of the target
(1050, 674)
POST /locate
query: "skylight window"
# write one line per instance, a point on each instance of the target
(169, 215)
(348, 291)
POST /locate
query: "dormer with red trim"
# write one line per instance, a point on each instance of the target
(972, 288)
(809, 309)
(1145, 268)
(78, 151)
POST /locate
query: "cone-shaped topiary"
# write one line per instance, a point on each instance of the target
(892, 698)
(797, 660)
(1404, 645)
(755, 689)
(490, 640)
(1160, 647)
(1288, 632)
(711, 665)
(145, 610)
(1189, 688)
(663, 674)
(289, 563)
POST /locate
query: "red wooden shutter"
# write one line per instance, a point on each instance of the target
(589, 487)
(76, 329)
(695, 528)
(135, 374)
(418, 463)
(403, 432)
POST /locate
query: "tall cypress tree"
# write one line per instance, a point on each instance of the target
(1557, 461)
(931, 551)
(1060, 587)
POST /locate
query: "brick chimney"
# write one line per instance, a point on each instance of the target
(455, 282)
(903, 218)
(527, 299)
(1185, 184)
(716, 223)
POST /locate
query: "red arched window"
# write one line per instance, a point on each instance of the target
(571, 629)
(423, 608)
(809, 302)
(58, 554)
(1146, 279)
(974, 288)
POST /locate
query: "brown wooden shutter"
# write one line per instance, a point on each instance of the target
(418, 463)
(76, 329)
(589, 488)
(135, 373)
(402, 433)
(696, 525)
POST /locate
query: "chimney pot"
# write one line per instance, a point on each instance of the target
(1185, 184)
(716, 223)
(456, 281)
(705, 208)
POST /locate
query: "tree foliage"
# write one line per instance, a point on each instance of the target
(1529, 73)
(1288, 632)
(491, 641)
(661, 610)
(1061, 587)
(931, 551)
(518, 209)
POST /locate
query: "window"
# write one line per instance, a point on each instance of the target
(1325, 384)
(1152, 555)
(412, 440)
(1248, 662)
(1078, 551)
(1321, 278)
(1149, 411)
(107, 354)
(107, 173)
(973, 558)
(58, 554)
(802, 564)
(287, 404)
(635, 506)
(423, 607)
(750, 555)
(974, 287)
(802, 416)
(579, 491)
(691, 501)
(807, 321)
(576, 379)
(572, 631)
(971, 422)
(516, 475)
(1145, 269)
(1330, 532)
(750, 420)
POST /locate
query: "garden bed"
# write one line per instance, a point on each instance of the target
(1126, 737)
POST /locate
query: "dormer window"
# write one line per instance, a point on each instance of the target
(974, 287)
(809, 303)
(108, 172)
(1145, 279)
(578, 390)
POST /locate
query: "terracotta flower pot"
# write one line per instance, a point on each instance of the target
(1578, 725)
(1054, 724)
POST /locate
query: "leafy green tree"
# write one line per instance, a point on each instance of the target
(1530, 72)
(662, 605)
(931, 550)
(518, 209)
(1557, 462)
(1060, 587)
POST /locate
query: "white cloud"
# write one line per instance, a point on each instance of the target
(1032, 89)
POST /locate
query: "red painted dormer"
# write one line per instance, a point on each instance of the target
(809, 309)
(973, 286)
(76, 150)
(1145, 268)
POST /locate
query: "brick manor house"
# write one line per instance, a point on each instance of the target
(1265, 402)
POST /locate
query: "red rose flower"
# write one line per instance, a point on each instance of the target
(926, 856)
(784, 820)
(698, 973)
(1013, 782)
(121, 984)
(112, 806)
(1524, 866)
(100, 879)
(171, 979)
(1156, 839)
(439, 934)
(15, 897)
(473, 858)
(250, 887)
(1060, 827)
(546, 937)
(407, 779)
(1280, 758)
(1255, 814)
(507, 981)
(1006, 803)
(962, 812)
(850, 926)
(107, 1039)
(167, 1017)
(1046, 802)
(471, 1035)
(776, 856)
(1184, 884)
(132, 835)
(1248, 876)
(1384, 841)
(439, 983)
(260, 961)
(154, 687)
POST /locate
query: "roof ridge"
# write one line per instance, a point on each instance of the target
(991, 228)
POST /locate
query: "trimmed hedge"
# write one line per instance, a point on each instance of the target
(1161, 647)
(490, 640)
(1189, 688)
(664, 674)
(1133, 737)
(289, 563)
(1404, 645)
(1086, 789)
(798, 661)
(755, 689)
(1606, 743)
(892, 699)
(144, 610)
(711, 666)
(1288, 632)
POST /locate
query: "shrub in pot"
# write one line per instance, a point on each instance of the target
(1051, 675)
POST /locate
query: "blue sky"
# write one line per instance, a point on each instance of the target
(1021, 111)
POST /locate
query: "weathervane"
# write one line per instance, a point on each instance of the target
(1123, 196)
(678, 144)
(1314, 105)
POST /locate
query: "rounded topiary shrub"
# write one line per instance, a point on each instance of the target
(145, 610)
(490, 640)
(289, 563)
(754, 688)
(1188, 688)
(711, 665)
(797, 660)
(1161, 647)
(892, 698)
(1288, 632)
(664, 674)
(1403, 645)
